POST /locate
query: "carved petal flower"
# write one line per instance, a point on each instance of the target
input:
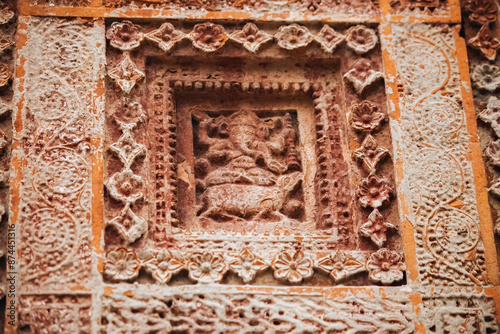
(486, 43)
(328, 38)
(126, 74)
(340, 265)
(121, 265)
(491, 114)
(365, 116)
(374, 192)
(493, 152)
(166, 36)
(206, 267)
(482, 11)
(251, 37)
(361, 39)
(247, 265)
(5, 14)
(486, 76)
(163, 265)
(124, 35)
(376, 228)
(293, 36)
(5, 75)
(385, 266)
(125, 186)
(208, 37)
(362, 75)
(370, 153)
(292, 267)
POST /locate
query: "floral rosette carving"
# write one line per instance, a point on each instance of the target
(208, 37)
(328, 38)
(340, 265)
(206, 267)
(247, 265)
(293, 36)
(362, 75)
(385, 266)
(365, 116)
(251, 37)
(166, 36)
(5, 75)
(163, 265)
(374, 192)
(376, 228)
(125, 186)
(121, 265)
(486, 76)
(481, 11)
(292, 266)
(370, 153)
(486, 43)
(361, 39)
(124, 35)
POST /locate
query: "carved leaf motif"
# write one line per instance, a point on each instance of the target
(293, 36)
(486, 43)
(121, 265)
(166, 36)
(370, 153)
(340, 265)
(251, 37)
(362, 75)
(376, 228)
(361, 39)
(126, 74)
(247, 265)
(328, 38)
(163, 265)
(292, 267)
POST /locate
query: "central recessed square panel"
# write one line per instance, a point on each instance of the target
(248, 161)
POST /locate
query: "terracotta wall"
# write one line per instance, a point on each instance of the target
(249, 166)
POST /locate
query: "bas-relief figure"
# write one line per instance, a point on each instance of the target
(363, 175)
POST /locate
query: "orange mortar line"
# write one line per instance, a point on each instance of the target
(476, 159)
(19, 163)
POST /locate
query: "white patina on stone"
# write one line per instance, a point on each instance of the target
(59, 117)
(435, 142)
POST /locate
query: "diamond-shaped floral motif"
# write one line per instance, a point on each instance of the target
(163, 265)
(130, 226)
(486, 43)
(340, 265)
(370, 153)
(328, 38)
(166, 36)
(376, 228)
(126, 74)
(251, 37)
(362, 75)
(127, 149)
(247, 265)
